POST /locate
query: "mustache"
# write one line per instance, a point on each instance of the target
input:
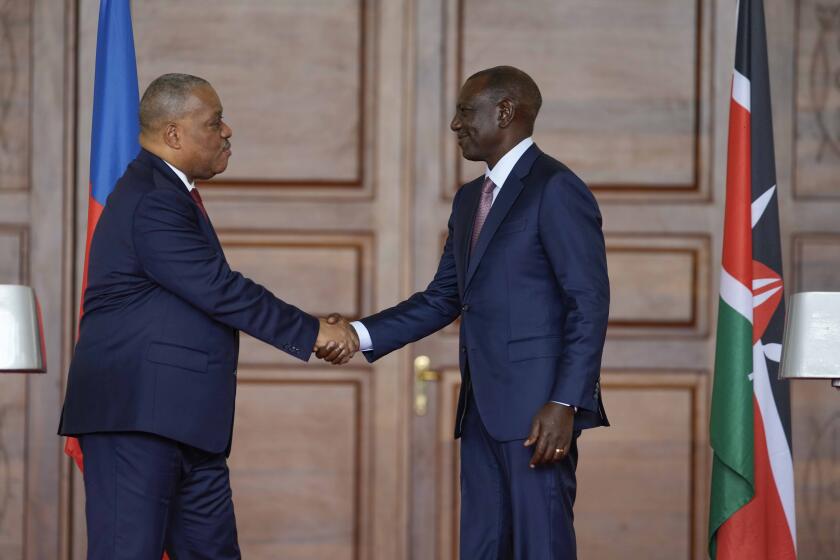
(226, 146)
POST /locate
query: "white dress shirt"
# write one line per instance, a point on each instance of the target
(498, 175)
(181, 175)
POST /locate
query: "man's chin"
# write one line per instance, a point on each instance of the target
(220, 168)
(470, 156)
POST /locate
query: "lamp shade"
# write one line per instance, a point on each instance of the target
(811, 348)
(21, 331)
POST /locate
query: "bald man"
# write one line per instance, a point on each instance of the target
(151, 387)
(524, 266)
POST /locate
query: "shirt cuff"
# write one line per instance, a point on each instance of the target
(558, 402)
(365, 343)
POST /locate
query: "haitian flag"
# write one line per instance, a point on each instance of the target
(752, 514)
(116, 126)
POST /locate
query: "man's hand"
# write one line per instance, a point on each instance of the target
(551, 433)
(337, 341)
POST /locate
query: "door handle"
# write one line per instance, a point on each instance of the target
(422, 377)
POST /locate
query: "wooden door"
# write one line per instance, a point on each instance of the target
(310, 207)
(36, 228)
(628, 96)
(337, 198)
(636, 98)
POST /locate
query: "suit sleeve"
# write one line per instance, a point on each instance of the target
(570, 231)
(176, 254)
(423, 313)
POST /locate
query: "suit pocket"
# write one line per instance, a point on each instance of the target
(546, 347)
(512, 226)
(178, 356)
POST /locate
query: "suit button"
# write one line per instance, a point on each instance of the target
(464, 349)
(465, 307)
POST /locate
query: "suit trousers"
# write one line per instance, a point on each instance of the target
(146, 493)
(508, 510)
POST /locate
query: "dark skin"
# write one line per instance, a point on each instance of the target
(338, 353)
(487, 128)
(198, 141)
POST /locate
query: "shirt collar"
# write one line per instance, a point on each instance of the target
(180, 174)
(504, 166)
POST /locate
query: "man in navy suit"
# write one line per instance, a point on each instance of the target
(151, 387)
(524, 266)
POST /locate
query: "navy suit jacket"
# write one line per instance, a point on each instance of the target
(159, 339)
(533, 299)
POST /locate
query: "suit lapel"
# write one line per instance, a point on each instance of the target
(167, 176)
(464, 220)
(504, 202)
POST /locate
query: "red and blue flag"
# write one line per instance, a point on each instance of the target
(116, 126)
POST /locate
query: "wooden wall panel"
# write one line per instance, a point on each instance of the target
(14, 254)
(297, 464)
(297, 120)
(641, 482)
(15, 104)
(816, 461)
(313, 206)
(816, 426)
(318, 272)
(12, 465)
(15, 98)
(674, 271)
(816, 262)
(817, 173)
(638, 100)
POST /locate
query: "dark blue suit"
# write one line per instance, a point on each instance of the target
(159, 340)
(533, 300)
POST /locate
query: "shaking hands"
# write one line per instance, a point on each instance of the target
(337, 340)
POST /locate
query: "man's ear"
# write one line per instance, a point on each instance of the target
(172, 135)
(507, 110)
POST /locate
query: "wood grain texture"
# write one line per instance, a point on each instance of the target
(816, 426)
(319, 272)
(816, 262)
(347, 132)
(290, 76)
(15, 99)
(637, 100)
(50, 229)
(817, 165)
(14, 255)
(659, 284)
(298, 466)
(816, 460)
(641, 482)
(12, 465)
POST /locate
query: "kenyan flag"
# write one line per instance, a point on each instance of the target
(752, 503)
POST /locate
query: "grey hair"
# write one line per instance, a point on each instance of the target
(165, 98)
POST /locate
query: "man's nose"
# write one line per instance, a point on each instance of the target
(227, 132)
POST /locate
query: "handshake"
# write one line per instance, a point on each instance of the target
(337, 340)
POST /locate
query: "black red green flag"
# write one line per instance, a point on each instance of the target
(752, 512)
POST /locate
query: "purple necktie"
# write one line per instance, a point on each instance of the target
(484, 205)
